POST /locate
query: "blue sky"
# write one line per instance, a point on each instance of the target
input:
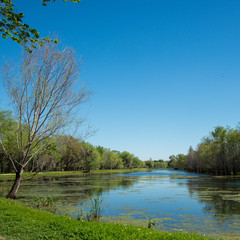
(164, 72)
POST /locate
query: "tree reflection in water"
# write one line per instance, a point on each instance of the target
(221, 196)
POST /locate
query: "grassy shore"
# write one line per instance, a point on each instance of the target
(21, 222)
(65, 173)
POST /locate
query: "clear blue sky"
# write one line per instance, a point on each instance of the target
(164, 72)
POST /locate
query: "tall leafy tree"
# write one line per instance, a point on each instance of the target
(127, 159)
(90, 156)
(111, 160)
(218, 153)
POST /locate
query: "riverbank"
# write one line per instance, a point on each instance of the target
(112, 171)
(66, 173)
(21, 222)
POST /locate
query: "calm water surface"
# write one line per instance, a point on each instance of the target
(175, 200)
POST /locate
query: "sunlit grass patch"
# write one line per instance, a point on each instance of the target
(21, 222)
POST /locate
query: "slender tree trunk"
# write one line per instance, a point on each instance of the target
(234, 169)
(13, 192)
(2, 167)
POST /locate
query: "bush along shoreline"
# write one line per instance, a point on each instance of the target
(22, 222)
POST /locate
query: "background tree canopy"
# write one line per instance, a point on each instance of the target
(217, 154)
(64, 153)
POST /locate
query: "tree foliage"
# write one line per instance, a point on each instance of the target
(218, 153)
(7, 126)
(65, 153)
(12, 26)
(45, 1)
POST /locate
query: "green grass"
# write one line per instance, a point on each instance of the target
(65, 173)
(21, 222)
(94, 171)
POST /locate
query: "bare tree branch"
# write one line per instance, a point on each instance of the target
(44, 98)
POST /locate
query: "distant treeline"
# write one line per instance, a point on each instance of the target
(69, 154)
(217, 154)
(63, 153)
(156, 164)
(56, 153)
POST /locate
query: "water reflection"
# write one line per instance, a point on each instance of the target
(177, 200)
(220, 196)
(68, 191)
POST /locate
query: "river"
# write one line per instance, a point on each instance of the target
(174, 200)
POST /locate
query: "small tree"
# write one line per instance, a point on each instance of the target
(70, 152)
(127, 159)
(44, 101)
(90, 156)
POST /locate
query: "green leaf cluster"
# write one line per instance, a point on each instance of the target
(45, 1)
(12, 26)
